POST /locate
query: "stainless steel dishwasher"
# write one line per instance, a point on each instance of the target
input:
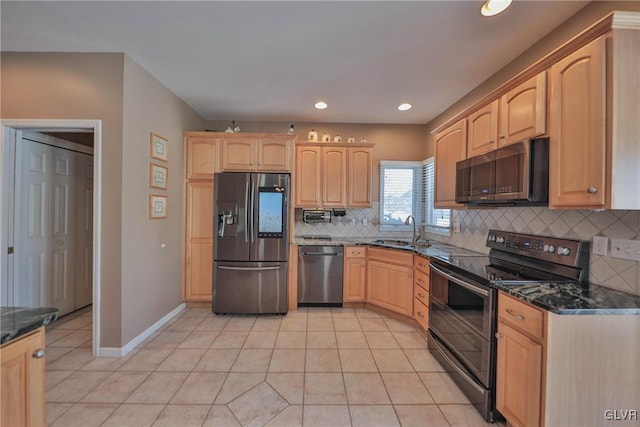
(320, 271)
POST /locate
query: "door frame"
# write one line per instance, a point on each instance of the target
(40, 125)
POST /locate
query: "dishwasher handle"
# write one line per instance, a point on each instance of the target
(321, 253)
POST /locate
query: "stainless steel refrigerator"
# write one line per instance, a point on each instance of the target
(250, 250)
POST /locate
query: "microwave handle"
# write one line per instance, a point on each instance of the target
(468, 286)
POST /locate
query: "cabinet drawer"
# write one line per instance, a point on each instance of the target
(420, 279)
(421, 313)
(355, 251)
(421, 263)
(391, 256)
(522, 316)
(421, 295)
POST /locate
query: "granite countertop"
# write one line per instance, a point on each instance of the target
(574, 298)
(17, 321)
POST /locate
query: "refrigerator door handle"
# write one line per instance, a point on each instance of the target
(247, 206)
(222, 267)
(253, 201)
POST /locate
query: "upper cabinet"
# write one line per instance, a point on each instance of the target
(594, 109)
(333, 175)
(451, 147)
(202, 157)
(266, 153)
(518, 115)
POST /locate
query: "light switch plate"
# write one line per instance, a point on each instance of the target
(599, 245)
(456, 227)
(625, 249)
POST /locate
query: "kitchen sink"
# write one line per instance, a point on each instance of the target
(403, 243)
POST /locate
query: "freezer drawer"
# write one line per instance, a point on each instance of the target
(320, 270)
(249, 287)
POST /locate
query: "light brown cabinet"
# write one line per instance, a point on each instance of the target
(256, 153)
(519, 361)
(355, 274)
(421, 291)
(390, 280)
(199, 245)
(451, 147)
(517, 115)
(333, 176)
(23, 381)
(202, 157)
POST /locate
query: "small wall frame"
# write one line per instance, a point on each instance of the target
(159, 147)
(157, 206)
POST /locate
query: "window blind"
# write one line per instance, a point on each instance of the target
(438, 220)
(400, 194)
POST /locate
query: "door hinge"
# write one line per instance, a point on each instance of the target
(10, 250)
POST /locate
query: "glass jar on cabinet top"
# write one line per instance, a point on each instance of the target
(312, 135)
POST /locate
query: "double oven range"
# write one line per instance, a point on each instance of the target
(463, 302)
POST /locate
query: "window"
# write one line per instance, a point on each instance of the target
(400, 194)
(407, 188)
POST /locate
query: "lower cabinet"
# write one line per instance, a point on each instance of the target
(23, 381)
(198, 281)
(421, 291)
(390, 275)
(355, 274)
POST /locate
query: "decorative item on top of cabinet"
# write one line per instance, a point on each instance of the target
(390, 279)
(355, 273)
(451, 147)
(23, 381)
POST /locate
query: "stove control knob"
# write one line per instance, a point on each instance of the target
(564, 251)
(549, 248)
(492, 238)
(500, 239)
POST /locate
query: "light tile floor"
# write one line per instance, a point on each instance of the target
(312, 367)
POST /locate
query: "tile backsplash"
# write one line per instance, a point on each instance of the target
(607, 271)
(612, 272)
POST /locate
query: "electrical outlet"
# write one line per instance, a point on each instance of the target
(365, 222)
(353, 222)
(625, 249)
(599, 245)
(456, 227)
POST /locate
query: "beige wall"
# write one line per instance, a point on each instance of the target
(393, 142)
(93, 86)
(151, 275)
(585, 17)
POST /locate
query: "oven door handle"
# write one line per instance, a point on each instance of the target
(470, 287)
(459, 370)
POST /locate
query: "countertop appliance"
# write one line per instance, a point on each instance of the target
(320, 271)
(250, 242)
(463, 302)
(517, 174)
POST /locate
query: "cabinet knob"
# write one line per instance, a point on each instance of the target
(420, 295)
(491, 141)
(498, 335)
(409, 274)
(592, 190)
(502, 137)
(38, 354)
(420, 314)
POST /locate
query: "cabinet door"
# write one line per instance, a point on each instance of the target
(391, 286)
(451, 147)
(274, 156)
(202, 157)
(482, 134)
(308, 177)
(518, 377)
(239, 155)
(355, 276)
(22, 382)
(199, 257)
(577, 151)
(334, 177)
(359, 166)
(523, 111)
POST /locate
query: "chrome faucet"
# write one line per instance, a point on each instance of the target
(408, 221)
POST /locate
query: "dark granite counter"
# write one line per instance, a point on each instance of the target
(17, 321)
(574, 298)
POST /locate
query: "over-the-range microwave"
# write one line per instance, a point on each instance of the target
(517, 174)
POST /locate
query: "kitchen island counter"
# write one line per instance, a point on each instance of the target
(17, 321)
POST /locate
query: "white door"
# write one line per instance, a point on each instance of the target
(62, 288)
(33, 240)
(84, 231)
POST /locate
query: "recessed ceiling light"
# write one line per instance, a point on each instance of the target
(494, 7)
(321, 105)
(404, 107)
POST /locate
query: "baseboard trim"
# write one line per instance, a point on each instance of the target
(123, 351)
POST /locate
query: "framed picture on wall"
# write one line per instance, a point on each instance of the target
(158, 176)
(157, 206)
(159, 147)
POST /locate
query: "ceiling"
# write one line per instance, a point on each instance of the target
(270, 61)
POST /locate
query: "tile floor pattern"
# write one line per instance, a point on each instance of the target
(314, 367)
